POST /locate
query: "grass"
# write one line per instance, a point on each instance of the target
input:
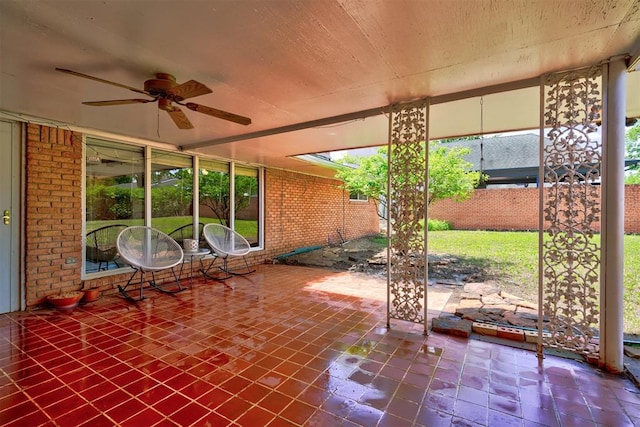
(511, 259)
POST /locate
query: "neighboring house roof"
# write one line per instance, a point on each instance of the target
(511, 159)
(502, 152)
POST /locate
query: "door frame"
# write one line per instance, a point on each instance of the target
(16, 253)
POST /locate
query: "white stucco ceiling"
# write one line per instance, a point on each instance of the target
(286, 62)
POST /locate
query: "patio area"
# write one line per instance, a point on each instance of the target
(289, 346)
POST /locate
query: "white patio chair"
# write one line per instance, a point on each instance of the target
(147, 249)
(226, 243)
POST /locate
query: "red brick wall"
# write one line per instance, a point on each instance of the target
(514, 209)
(53, 212)
(632, 208)
(301, 210)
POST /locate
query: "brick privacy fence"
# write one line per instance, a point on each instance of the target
(301, 210)
(515, 209)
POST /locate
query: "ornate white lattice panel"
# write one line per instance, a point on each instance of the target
(570, 252)
(407, 197)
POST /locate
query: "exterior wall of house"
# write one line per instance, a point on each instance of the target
(514, 209)
(53, 212)
(303, 210)
(300, 210)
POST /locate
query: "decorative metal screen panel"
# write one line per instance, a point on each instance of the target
(570, 249)
(407, 204)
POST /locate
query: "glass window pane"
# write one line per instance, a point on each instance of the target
(171, 193)
(247, 203)
(214, 192)
(114, 199)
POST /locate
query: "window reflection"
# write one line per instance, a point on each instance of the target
(114, 185)
(247, 203)
(115, 197)
(172, 193)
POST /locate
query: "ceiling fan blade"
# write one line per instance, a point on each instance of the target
(225, 115)
(98, 79)
(179, 118)
(189, 89)
(118, 102)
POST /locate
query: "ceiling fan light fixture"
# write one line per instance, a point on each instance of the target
(165, 104)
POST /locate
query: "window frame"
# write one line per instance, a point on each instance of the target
(147, 161)
(359, 197)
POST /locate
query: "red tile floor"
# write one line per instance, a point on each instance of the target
(289, 346)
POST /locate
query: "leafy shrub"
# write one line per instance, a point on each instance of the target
(437, 225)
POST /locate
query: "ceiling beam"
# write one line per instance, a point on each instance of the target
(363, 114)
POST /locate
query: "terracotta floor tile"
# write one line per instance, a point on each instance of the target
(17, 411)
(291, 387)
(140, 385)
(189, 414)
(146, 417)
(155, 394)
(470, 394)
(214, 398)
(298, 412)
(256, 416)
(170, 404)
(471, 412)
(233, 408)
(433, 417)
(365, 415)
(99, 421)
(254, 372)
(126, 410)
(33, 419)
(274, 402)
(573, 420)
(289, 346)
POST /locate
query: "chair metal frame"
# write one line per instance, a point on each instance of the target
(100, 245)
(186, 232)
(148, 250)
(225, 243)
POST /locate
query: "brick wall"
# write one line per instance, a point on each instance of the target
(53, 212)
(301, 210)
(632, 208)
(515, 209)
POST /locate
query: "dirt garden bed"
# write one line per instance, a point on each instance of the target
(369, 255)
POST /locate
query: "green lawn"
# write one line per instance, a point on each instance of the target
(511, 258)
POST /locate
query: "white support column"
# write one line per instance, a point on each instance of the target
(195, 202)
(611, 282)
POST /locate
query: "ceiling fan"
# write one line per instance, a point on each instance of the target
(164, 89)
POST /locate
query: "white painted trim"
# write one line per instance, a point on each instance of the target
(88, 131)
(612, 222)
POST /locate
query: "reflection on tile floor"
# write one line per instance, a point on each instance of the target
(289, 346)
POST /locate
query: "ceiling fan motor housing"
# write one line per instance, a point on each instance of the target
(160, 85)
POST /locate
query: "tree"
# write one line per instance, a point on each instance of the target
(365, 175)
(215, 193)
(450, 175)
